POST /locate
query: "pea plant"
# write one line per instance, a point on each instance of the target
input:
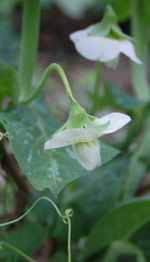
(66, 195)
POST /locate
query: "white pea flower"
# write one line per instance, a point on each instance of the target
(104, 41)
(84, 137)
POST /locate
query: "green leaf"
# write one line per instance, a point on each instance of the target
(123, 248)
(44, 210)
(137, 166)
(117, 225)
(142, 240)
(30, 127)
(115, 97)
(59, 256)
(28, 237)
(122, 9)
(100, 192)
(9, 82)
(93, 195)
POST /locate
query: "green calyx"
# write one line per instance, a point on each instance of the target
(78, 118)
(108, 27)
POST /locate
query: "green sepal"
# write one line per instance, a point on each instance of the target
(78, 118)
(116, 29)
(108, 27)
(103, 28)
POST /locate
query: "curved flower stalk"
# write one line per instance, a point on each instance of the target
(104, 41)
(82, 131)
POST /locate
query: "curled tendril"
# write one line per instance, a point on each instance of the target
(6, 134)
(69, 212)
(65, 218)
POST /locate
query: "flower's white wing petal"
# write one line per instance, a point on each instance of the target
(88, 154)
(80, 34)
(70, 137)
(117, 121)
(127, 48)
(95, 48)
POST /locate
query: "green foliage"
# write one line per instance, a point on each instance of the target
(28, 237)
(122, 248)
(137, 168)
(122, 8)
(142, 239)
(9, 83)
(44, 211)
(116, 98)
(100, 192)
(102, 225)
(118, 224)
(92, 196)
(7, 6)
(29, 128)
(59, 256)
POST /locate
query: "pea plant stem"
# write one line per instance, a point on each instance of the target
(43, 80)
(139, 32)
(29, 44)
(69, 240)
(96, 87)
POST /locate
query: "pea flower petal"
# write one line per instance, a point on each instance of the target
(70, 137)
(116, 120)
(95, 48)
(127, 48)
(88, 154)
(84, 140)
(100, 48)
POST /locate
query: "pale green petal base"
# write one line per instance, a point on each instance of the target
(88, 154)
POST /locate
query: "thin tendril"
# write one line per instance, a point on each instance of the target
(17, 251)
(6, 134)
(69, 239)
(65, 219)
(43, 80)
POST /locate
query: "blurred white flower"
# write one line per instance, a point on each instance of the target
(104, 41)
(85, 140)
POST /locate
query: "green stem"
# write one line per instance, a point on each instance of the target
(17, 251)
(96, 87)
(43, 80)
(69, 240)
(139, 32)
(29, 44)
